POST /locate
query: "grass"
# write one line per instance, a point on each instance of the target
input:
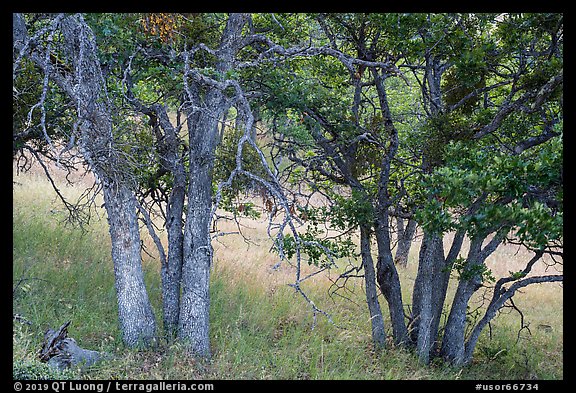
(260, 328)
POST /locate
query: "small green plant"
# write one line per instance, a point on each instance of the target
(35, 370)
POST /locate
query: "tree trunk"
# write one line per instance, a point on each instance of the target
(376, 319)
(453, 344)
(405, 236)
(171, 272)
(389, 281)
(501, 295)
(168, 146)
(387, 275)
(136, 317)
(429, 295)
(193, 327)
(453, 340)
(97, 145)
(441, 279)
(422, 310)
(195, 301)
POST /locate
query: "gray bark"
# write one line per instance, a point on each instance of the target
(193, 327)
(61, 352)
(405, 236)
(430, 287)
(422, 298)
(429, 292)
(453, 341)
(440, 285)
(135, 314)
(389, 282)
(85, 86)
(97, 143)
(443, 268)
(431, 281)
(171, 271)
(434, 70)
(387, 275)
(376, 319)
(193, 324)
(501, 295)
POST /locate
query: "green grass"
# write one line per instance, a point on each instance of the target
(260, 328)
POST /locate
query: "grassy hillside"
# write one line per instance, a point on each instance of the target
(260, 329)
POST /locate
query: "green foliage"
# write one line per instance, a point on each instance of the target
(456, 88)
(321, 252)
(35, 370)
(513, 190)
(543, 71)
(434, 218)
(344, 214)
(117, 34)
(350, 212)
(474, 54)
(522, 192)
(26, 116)
(470, 271)
(517, 275)
(440, 130)
(516, 31)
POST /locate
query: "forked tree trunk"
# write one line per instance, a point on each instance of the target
(387, 275)
(453, 342)
(429, 295)
(194, 322)
(429, 287)
(168, 146)
(454, 333)
(98, 146)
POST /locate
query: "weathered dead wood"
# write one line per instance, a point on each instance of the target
(61, 351)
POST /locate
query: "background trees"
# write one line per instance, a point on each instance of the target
(469, 93)
(480, 58)
(446, 121)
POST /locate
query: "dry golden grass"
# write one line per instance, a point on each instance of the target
(245, 265)
(250, 258)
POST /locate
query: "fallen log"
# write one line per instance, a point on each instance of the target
(61, 351)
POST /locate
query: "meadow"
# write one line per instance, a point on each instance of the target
(260, 327)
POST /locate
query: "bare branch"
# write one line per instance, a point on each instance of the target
(271, 184)
(77, 214)
(501, 295)
(310, 51)
(152, 232)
